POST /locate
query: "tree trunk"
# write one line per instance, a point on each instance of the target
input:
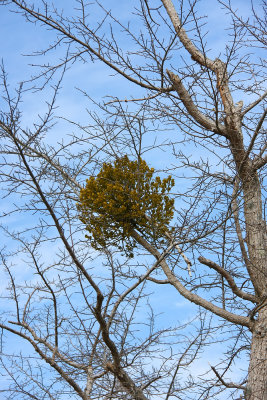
(256, 233)
(257, 375)
(257, 249)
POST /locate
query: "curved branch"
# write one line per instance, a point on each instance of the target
(192, 109)
(237, 224)
(194, 298)
(230, 385)
(49, 21)
(260, 162)
(229, 278)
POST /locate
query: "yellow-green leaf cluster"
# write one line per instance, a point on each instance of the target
(118, 200)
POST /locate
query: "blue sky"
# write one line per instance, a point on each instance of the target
(19, 37)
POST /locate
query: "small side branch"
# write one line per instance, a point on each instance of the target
(229, 385)
(142, 279)
(230, 280)
(254, 104)
(173, 244)
(182, 254)
(256, 132)
(257, 308)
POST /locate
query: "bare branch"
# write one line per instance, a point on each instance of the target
(49, 360)
(200, 118)
(196, 55)
(229, 278)
(227, 384)
(254, 104)
(237, 319)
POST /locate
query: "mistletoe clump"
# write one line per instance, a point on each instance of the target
(122, 197)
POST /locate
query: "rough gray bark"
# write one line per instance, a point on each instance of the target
(257, 378)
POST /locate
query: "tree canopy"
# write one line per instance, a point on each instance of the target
(160, 159)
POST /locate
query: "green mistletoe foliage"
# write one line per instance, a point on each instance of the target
(122, 197)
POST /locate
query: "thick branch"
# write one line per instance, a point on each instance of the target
(192, 109)
(260, 162)
(196, 54)
(236, 319)
(237, 225)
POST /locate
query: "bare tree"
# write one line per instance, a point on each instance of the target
(81, 311)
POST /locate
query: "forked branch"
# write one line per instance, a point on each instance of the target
(194, 298)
